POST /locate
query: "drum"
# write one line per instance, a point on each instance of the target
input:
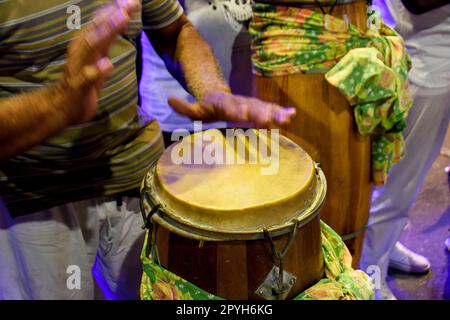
(233, 228)
(325, 127)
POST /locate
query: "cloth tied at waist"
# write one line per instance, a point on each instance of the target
(370, 68)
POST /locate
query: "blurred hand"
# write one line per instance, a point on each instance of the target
(220, 106)
(87, 61)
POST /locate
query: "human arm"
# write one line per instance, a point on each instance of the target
(181, 43)
(30, 118)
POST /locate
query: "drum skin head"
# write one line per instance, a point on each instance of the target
(236, 197)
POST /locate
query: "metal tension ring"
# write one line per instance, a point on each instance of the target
(278, 283)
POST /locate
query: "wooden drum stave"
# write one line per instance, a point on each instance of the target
(325, 127)
(215, 223)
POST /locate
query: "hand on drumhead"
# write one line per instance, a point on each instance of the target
(88, 64)
(220, 106)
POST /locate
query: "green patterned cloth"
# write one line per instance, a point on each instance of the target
(341, 282)
(369, 68)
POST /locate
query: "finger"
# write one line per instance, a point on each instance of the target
(116, 17)
(105, 29)
(228, 107)
(130, 5)
(274, 114)
(105, 68)
(260, 113)
(235, 108)
(97, 37)
(243, 112)
(118, 21)
(182, 107)
(283, 116)
(93, 74)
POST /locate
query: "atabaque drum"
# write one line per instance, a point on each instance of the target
(325, 127)
(237, 214)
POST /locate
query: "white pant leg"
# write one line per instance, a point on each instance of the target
(36, 250)
(427, 124)
(118, 268)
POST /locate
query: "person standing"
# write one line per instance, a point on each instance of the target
(426, 36)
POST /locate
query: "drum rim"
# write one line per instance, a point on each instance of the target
(166, 220)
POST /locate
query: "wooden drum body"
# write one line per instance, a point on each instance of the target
(325, 127)
(218, 226)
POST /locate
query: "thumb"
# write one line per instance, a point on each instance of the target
(192, 111)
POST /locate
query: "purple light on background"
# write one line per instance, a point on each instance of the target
(385, 13)
(104, 287)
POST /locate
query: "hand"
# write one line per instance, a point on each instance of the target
(88, 64)
(227, 107)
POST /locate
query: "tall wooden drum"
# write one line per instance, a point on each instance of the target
(325, 127)
(232, 229)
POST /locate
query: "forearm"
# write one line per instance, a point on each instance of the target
(187, 50)
(31, 118)
(183, 44)
(200, 67)
(28, 119)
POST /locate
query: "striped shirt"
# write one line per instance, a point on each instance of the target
(106, 156)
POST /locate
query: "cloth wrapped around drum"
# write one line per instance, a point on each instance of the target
(236, 216)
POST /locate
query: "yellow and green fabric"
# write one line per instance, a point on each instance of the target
(370, 68)
(341, 282)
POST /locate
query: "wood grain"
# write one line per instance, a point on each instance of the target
(235, 269)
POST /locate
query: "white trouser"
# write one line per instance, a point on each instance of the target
(427, 125)
(42, 254)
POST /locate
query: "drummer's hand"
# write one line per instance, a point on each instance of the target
(88, 64)
(222, 106)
